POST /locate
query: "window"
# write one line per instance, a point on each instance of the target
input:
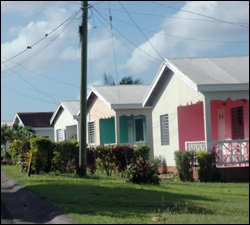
(91, 130)
(237, 123)
(59, 135)
(164, 129)
(139, 130)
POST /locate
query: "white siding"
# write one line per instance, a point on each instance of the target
(45, 132)
(63, 121)
(175, 94)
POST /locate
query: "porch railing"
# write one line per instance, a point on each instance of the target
(232, 152)
(229, 153)
(195, 145)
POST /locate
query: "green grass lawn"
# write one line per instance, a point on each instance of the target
(101, 199)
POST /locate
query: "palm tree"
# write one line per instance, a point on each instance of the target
(108, 80)
(129, 80)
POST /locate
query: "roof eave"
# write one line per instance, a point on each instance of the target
(222, 87)
(127, 106)
(155, 82)
(55, 113)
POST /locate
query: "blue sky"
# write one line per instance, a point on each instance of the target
(143, 34)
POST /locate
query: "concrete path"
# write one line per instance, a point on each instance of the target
(21, 206)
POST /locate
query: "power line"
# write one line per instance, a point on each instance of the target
(207, 16)
(31, 85)
(45, 36)
(164, 15)
(114, 55)
(182, 37)
(153, 47)
(132, 43)
(13, 91)
(42, 75)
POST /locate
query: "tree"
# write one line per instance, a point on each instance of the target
(127, 80)
(22, 133)
(108, 80)
(6, 135)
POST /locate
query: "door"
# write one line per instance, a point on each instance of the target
(221, 124)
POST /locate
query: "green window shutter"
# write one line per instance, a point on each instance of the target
(107, 130)
(123, 129)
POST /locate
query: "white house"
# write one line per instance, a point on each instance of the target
(201, 103)
(64, 120)
(39, 121)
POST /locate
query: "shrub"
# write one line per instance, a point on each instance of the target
(123, 156)
(184, 162)
(91, 160)
(206, 161)
(15, 150)
(65, 157)
(161, 164)
(142, 150)
(142, 172)
(105, 155)
(42, 150)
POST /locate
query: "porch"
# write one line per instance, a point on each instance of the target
(219, 125)
(229, 153)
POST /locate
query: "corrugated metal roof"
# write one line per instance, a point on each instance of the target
(223, 70)
(122, 94)
(72, 106)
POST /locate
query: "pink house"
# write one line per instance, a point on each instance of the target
(202, 104)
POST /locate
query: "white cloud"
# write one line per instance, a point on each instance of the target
(170, 46)
(16, 7)
(43, 53)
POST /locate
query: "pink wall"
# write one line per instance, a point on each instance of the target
(216, 104)
(190, 123)
(191, 120)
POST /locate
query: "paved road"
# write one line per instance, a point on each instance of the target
(5, 215)
(21, 206)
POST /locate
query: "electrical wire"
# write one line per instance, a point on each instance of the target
(31, 85)
(207, 16)
(182, 37)
(144, 35)
(163, 15)
(128, 40)
(37, 42)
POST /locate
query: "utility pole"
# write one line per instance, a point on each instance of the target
(83, 30)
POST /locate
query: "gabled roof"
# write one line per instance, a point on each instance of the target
(226, 70)
(71, 106)
(34, 119)
(203, 74)
(120, 96)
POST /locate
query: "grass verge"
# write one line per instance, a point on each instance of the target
(100, 199)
